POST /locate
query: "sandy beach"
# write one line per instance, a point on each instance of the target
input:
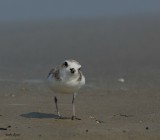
(120, 59)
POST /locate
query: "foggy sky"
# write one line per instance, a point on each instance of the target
(11, 10)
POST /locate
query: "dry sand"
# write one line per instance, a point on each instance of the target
(110, 108)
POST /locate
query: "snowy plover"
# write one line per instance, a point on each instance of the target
(66, 78)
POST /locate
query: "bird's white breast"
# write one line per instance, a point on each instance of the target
(64, 86)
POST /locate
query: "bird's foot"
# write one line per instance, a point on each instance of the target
(75, 118)
(63, 118)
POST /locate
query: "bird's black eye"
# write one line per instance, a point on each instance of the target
(66, 64)
(79, 69)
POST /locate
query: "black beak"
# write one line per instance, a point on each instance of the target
(72, 70)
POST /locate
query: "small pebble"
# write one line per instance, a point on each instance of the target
(122, 80)
(3, 128)
(12, 95)
(147, 128)
(87, 130)
(97, 121)
(91, 117)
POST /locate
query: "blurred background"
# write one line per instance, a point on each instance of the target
(110, 38)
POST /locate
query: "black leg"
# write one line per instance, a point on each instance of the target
(73, 108)
(56, 100)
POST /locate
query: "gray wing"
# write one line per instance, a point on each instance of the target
(54, 72)
(80, 76)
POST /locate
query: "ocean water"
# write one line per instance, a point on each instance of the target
(108, 49)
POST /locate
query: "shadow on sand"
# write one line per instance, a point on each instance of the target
(39, 115)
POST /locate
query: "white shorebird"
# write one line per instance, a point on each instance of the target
(66, 78)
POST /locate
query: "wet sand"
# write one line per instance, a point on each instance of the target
(110, 108)
(28, 112)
